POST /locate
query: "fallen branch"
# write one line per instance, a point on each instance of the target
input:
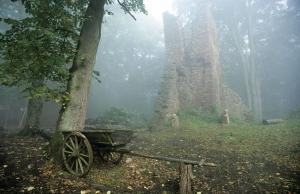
(198, 163)
(98, 186)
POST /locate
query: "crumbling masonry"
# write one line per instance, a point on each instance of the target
(192, 76)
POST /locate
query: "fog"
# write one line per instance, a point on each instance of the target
(131, 57)
(130, 62)
(211, 85)
(131, 75)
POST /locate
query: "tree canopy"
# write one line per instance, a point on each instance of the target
(36, 51)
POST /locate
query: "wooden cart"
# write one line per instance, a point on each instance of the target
(79, 147)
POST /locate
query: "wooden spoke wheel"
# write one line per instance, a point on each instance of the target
(114, 157)
(77, 154)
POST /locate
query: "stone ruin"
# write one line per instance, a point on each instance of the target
(192, 77)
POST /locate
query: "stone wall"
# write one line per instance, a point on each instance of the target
(232, 101)
(199, 85)
(192, 76)
(168, 101)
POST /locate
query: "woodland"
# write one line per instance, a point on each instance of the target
(145, 96)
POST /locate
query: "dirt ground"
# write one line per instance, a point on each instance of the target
(25, 167)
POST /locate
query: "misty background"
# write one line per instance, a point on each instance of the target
(131, 59)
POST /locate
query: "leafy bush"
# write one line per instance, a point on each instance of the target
(195, 118)
(120, 117)
(116, 116)
(198, 114)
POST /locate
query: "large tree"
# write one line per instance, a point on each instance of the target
(35, 52)
(241, 27)
(73, 112)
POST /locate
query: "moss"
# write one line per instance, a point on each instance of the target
(56, 145)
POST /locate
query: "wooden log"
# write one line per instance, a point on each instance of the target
(185, 178)
(199, 163)
(168, 159)
(185, 168)
(272, 121)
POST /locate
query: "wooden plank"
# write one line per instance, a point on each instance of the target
(192, 162)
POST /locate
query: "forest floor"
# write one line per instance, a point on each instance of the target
(250, 158)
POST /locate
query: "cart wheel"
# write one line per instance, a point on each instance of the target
(114, 157)
(77, 154)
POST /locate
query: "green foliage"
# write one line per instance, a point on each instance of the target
(130, 5)
(216, 110)
(117, 116)
(273, 142)
(198, 116)
(36, 51)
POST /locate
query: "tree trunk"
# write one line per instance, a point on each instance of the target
(34, 112)
(5, 124)
(24, 112)
(73, 113)
(245, 65)
(249, 65)
(254, 80)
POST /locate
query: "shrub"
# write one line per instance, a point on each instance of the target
(120, 117)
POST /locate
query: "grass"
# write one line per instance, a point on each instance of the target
(249, 157)
(280, 142)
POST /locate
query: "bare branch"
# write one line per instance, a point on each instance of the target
(97, 79)
(126, 9)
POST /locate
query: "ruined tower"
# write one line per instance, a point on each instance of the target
(198, 76)
(192, 77)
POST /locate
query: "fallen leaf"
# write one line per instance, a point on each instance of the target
(85, 191)
(128, 160)
(30, 188)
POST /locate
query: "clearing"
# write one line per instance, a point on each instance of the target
(251, 158)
